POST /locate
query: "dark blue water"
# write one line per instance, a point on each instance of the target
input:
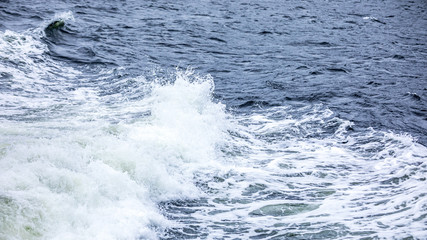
(325, 105)
(365, 61)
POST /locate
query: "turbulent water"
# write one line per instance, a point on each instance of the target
(213, 119)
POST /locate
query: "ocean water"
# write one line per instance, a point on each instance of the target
(213, 119)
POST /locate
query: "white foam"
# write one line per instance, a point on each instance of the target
(354, 172)
(71, 178)
(67, 15)
(33, 77)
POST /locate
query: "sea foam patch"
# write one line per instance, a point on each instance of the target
(294, 172)
(85, 177)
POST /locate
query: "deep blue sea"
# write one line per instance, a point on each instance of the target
(240, 119)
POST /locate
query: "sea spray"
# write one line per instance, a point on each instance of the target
(98, 180)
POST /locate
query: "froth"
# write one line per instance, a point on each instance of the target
(310, 164)
(32, 77)
(99, 180)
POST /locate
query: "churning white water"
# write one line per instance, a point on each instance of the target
(74, 174)
(95, 156)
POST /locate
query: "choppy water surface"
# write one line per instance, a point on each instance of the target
(213, 120)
